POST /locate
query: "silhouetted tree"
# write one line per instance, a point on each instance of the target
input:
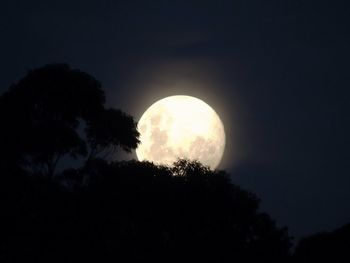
(109, 130)
(42, 113)
(139, 211)
(179, 213)
(325, 247)
(112, 211)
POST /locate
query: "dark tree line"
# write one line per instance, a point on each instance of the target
(325, 247)
(138, 211)
(106, 210)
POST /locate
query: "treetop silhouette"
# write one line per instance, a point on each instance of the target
(41, 115)
(108, 210)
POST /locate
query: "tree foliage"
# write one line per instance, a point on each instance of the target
(140, 211)
(109, 130)
(325, 247)
(41, 115)
(112, 211)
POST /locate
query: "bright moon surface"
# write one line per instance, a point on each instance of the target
(181, 127)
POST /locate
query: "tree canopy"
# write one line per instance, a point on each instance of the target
(139, 211)
(107, 210)
(325, 247)
(41, 115)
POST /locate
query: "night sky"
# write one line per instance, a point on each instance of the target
(277, 73)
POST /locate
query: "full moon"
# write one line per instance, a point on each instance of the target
(181, 127)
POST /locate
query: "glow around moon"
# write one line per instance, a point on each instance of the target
(181, 127)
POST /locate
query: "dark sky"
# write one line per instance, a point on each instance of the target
(277, 72)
